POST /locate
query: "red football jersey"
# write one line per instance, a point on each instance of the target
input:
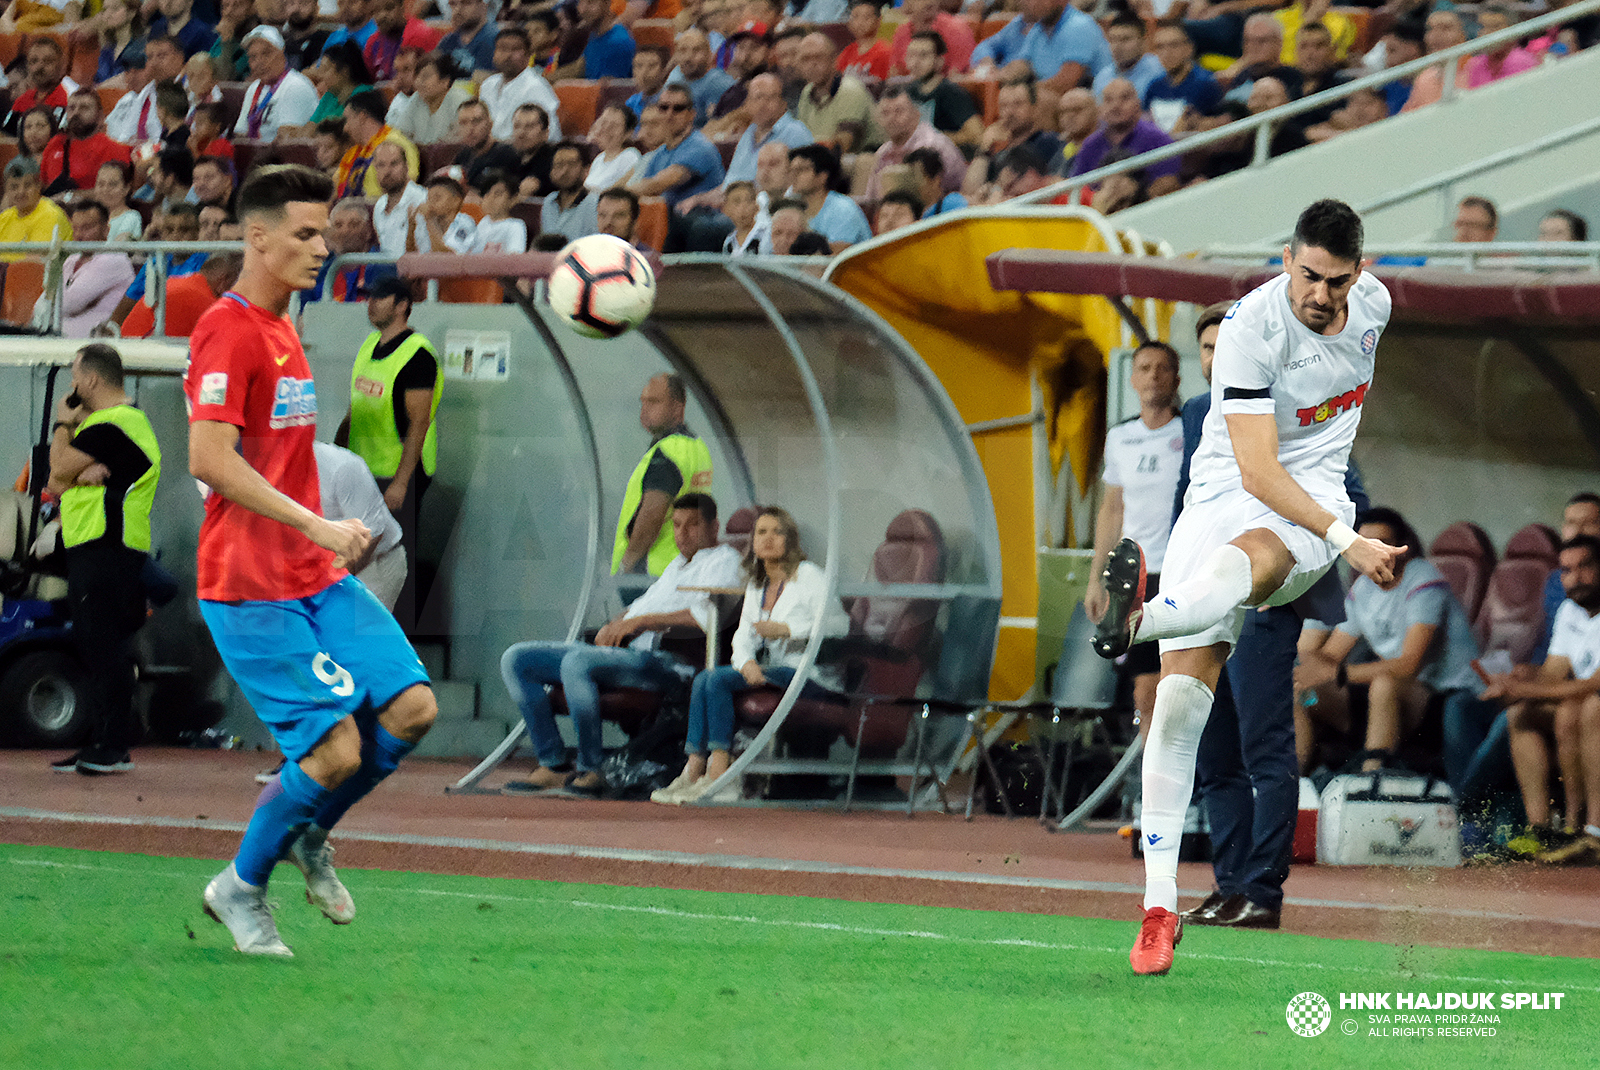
(246, 368)
(873, 63)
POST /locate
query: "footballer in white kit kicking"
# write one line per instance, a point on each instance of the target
(1264, 517)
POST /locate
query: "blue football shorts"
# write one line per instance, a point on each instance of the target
(308, 663)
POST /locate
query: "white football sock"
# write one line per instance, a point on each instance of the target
(1182, 706)
(1221, 585)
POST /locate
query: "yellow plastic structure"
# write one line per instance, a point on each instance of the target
(1027, 372)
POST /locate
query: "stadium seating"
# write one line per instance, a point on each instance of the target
(1466, 557)
(615, 91)
(736, 532)
(652, 227)
(657, 32)
(24, 282)
(837, 32)
(233, 97)
(890, 644)
(109, 96)
(439, 155)
(1512, 615)
(985, 93)
(580, 101)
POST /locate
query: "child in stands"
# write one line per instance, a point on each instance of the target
(498, 231)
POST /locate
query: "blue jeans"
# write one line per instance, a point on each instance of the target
(1477, 762)
(581, 670)
(1246, 765)
(711, 705)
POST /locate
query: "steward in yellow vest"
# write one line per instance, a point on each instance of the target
(394, 398)
(105, 463)
(676, 463)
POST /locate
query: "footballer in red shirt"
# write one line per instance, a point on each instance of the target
(322, 662)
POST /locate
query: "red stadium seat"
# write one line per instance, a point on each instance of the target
(989, 27)
(1536, 541)
(652, 226)
(1512, 615)
(438, 155)
(85, 64)
(528, 211)
(233, 97)
(1466, 557)
(108, 97)
(837, 32)
(579, 100)
(657, 32)
(985, 93)
(24, 282)
(615, 91)
(736, 532)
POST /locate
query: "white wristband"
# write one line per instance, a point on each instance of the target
(1340, 536)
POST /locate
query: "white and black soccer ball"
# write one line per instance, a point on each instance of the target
(601, 286)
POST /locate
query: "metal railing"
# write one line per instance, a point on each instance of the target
(1264, 124)
(55, 253)
(1532, 256)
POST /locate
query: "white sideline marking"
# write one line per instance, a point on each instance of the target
(845, 930)
(763, 865)
(916, 934)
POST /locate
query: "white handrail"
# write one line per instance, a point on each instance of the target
(1469, 256)
(1263, 124)
(54, 253)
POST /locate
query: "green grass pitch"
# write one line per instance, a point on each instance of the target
(107, 962)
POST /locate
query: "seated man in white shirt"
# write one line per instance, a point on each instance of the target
(624, 653)
(278, 96)
(392, 212)
(514, 84)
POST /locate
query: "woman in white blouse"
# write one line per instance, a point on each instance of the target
(613, 159)
(780, 606)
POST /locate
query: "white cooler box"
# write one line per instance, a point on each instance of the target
(1387, 819)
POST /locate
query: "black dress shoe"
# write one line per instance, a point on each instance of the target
(1202, 914)
(1246, 915)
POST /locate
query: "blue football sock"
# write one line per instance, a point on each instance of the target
(380, 755)
(284, 807)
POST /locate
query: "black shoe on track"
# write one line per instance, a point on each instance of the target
(1124, 581)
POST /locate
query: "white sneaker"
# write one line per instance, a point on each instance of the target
(671, 795)
(700, 791)
(243, 909)
(311, 855)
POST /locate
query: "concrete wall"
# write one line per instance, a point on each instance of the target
(1260, 204)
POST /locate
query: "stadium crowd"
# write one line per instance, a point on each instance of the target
(744, 126)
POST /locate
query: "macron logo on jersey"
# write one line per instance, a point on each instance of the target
(294, 403)
(1326, 411)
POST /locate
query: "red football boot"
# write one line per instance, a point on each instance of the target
(1160, 933)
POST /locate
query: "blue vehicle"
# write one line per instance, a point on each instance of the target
(40, 700)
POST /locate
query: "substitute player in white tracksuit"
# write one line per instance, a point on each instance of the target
(1265, 515)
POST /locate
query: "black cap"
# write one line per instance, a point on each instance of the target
(390, 286)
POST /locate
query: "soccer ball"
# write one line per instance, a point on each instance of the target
(601, 286)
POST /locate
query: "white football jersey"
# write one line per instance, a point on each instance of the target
(1145, 463)
(1269, 362)
(1576, 636)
